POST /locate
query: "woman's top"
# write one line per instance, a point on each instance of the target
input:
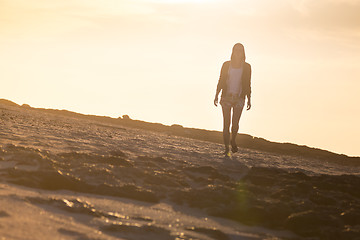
(245, 80)
(234, 81)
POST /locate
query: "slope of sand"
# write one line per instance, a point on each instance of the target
(64, 177)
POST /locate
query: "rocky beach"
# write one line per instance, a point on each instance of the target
(71, 176)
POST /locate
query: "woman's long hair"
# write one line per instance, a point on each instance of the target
(242, 49)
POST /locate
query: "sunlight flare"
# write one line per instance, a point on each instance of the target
(180, 1)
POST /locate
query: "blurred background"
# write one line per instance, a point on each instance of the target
(159, 61)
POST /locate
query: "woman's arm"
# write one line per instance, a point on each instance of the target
(216, 97)
(249, 91)
(219, 85)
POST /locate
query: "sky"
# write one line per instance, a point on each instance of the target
(159, 61)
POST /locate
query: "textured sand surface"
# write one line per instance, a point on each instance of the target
(71, 178)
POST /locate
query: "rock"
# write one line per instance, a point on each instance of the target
(25, 106)
(310, 223)
(8, 102)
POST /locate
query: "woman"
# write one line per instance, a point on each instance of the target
(235, 84)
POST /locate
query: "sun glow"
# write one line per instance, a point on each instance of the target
(180, 1)
(110, 57)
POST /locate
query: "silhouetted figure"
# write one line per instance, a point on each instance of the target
(235, 83)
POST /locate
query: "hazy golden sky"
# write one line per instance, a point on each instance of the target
(159, 61)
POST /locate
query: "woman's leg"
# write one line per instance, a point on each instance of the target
(226, 127)
(235, 126)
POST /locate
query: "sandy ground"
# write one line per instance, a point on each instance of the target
(68, 178)
(36, 214)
